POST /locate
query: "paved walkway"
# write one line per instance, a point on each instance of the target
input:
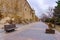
(34, 31)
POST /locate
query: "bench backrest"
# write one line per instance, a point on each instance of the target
(9, 26)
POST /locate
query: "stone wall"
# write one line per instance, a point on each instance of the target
(20, 10)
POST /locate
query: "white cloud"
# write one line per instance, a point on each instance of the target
(41, 6)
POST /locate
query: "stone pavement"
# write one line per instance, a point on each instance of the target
(33, 31)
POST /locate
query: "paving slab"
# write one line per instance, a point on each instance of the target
(33, 31)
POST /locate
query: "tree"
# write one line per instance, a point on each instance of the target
(57, 13)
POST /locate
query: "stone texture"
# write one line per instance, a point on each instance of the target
(18, 8)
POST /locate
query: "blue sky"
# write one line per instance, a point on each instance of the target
(41, 6)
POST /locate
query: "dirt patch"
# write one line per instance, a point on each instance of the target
(57, 28)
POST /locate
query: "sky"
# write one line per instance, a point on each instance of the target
(42, 6)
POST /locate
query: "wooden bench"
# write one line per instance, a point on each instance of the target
(9, 27)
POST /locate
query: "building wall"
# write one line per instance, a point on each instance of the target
(19, 8)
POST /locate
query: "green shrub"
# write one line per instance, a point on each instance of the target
(50, 20)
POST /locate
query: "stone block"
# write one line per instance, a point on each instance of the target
(50, 31)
